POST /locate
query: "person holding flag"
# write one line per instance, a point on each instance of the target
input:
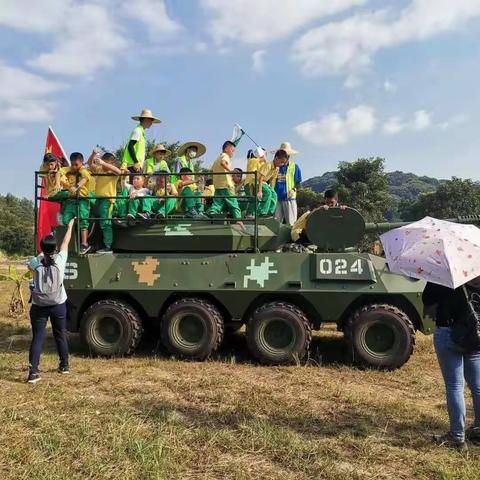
(135, 149)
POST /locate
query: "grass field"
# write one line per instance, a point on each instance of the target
(150, 417)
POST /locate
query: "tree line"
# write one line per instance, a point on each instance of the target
(363, 185)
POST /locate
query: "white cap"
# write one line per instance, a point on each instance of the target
(259, 152)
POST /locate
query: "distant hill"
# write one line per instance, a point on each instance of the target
(403, 186)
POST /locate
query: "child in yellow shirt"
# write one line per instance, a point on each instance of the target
(224, 187)
(164, 205)
(105, 187)
(77, 181)
(191, 199)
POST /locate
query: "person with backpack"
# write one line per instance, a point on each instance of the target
(49, 301)
(457, 345)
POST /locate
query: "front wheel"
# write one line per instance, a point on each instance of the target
(278, 333)
(381, 336)
(111, 328)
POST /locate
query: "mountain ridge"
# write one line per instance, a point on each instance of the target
(402, 185)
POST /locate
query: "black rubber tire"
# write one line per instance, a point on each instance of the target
(398, 337)
(206, 324)
(122, 319)
(298, 336)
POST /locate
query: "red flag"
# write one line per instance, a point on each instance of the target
(48, 211)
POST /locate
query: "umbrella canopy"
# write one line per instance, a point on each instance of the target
(438, 251)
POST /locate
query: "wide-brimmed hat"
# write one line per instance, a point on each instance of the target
(146, 114)
(158, 148)
(201, 149)
(287, 147)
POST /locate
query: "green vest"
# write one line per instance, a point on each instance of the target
(152, 168)
(289, 179)
(139, 149)
(184, 163)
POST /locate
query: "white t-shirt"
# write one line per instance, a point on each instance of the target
(60, 261)
(136, 134)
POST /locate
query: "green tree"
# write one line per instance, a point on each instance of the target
(16, 225)
(363, 185)
(307, 199)
(452, 198)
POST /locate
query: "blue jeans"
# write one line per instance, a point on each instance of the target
(38, 318)
(457, 366)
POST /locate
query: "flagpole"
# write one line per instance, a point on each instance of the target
(251, 138)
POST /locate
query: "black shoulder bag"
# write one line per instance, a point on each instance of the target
(466, 329)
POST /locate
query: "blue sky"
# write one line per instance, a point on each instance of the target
(340, 79)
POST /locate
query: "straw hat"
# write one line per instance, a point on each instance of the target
(201, 149)
(287, 147)
(159, 148)
(146, 114)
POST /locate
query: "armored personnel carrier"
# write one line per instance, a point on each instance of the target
(193, 280)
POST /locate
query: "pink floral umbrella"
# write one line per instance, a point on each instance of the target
(438, 251)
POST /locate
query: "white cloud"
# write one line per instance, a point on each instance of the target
(153, 14)
(389, 86)
(421, 120)
(82, 46)
(36, 17)
(393, 126)
(257, 22)
(24, 96)
(347, 46)
(258, 61)
(334, 129)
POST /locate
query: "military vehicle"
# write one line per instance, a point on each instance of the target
(193, 280)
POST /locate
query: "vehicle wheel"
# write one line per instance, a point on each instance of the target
(192, 328)
(381, 336)
(110, 327)
(278, 333)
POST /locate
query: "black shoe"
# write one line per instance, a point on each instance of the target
(84, 249)
(143, 216)
(473, 435)
(160, 216)
(105, 250)
(64, 370)
(33, 378)
(449, 441)
(120, 223)
(130, 217)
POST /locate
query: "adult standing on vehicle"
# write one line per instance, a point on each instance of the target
(135, 149)
(457, 363)
(49, 301)
(285, 186)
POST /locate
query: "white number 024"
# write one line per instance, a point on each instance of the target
(340, 266)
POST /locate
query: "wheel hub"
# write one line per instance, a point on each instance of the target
(277, 335)
(379, 338)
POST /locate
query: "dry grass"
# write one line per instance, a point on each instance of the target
(149, 417)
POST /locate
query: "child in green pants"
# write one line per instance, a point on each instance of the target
(136, 206)
(191, 199)
(105, 188)
(164, 205)
(77, 181)
(223, 183)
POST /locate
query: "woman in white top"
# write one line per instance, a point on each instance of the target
(49, 301)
